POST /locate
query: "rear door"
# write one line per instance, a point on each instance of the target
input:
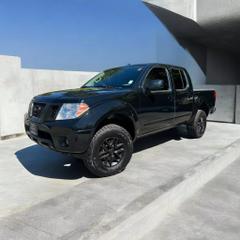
(156, 107)
(183, 95)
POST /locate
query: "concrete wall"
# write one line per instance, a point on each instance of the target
(225, 103)
(237, 115)
(187, 8)
(197, 51)
(209, 11)
(18, 86)
(213, 41)
(51, 80)
(202, 11)
(11, 94)
(222, 67)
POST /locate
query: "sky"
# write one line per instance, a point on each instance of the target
(87, 35)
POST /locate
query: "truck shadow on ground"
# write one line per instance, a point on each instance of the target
(46, 163)
(43, 162)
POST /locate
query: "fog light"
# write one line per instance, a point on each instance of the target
(64, 142)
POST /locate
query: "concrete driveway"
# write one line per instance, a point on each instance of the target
(46, 195)
(211, 214)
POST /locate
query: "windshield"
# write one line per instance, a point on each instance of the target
(116, 77)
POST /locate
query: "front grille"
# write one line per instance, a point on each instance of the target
(54, 111)
(47, 112)
(37, 109)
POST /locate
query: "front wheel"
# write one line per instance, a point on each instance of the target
(110, 151)
(197, 127)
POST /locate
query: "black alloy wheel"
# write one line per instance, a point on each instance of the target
(201, 125)
(112, 151)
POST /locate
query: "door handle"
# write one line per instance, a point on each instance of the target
(170, 98)
(190, 98)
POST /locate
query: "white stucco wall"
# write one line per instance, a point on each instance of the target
(18, 86)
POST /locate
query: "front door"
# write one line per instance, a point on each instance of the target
(156, 106)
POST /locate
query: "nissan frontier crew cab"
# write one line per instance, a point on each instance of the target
(99, 121)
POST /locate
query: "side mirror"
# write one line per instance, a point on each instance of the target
(156, 85)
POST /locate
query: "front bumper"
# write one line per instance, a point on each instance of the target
(59, 136)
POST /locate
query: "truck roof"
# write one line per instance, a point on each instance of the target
(152, 64)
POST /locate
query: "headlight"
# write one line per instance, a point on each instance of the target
(72, 110)
(30, 109)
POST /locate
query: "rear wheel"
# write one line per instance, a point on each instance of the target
(110, 151)
(197, 127)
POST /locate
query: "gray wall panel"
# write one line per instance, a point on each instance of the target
(238, 105)
(225, 103)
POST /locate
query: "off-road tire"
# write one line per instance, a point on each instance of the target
(197, 127)
(100, 142)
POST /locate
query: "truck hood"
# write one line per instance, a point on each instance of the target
(89, 95)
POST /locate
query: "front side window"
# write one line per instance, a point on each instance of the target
(123, 77)
(158, 74)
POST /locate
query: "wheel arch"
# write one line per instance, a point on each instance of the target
(121, 119)
(204, 107)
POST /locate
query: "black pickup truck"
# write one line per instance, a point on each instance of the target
(99, 121)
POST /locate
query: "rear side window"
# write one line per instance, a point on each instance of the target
(184, 79)
(179, 79)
